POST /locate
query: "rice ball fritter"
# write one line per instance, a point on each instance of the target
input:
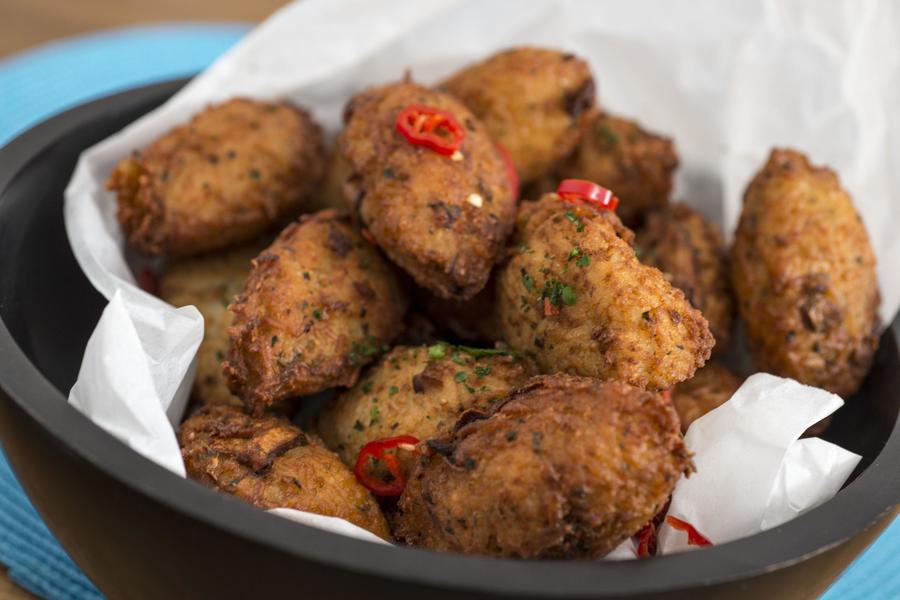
(419, 391)
(442, 218)
(636, 164)
(690, 250)
(270, 463)
(234, 171)
(803, 272)
(210, 282)
(565, 467)
(574, 294)
(535, 102)
(319, 304)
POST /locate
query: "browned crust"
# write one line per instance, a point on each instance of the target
(232, 172)
(319, 304)
(416, 202)
(567, 467)
(803, 272)
(270, 463)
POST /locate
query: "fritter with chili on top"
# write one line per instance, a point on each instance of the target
(804, 276)
(270, 463)
(574, 294)
(565, 467)
(620, 155)
(231, 173)
(690, 250)
(429, 184)
(534, 102)
(210, 282)
(418, 391)
(319, 304)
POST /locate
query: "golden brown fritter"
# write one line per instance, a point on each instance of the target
(210, 282)
(270, 463)
(474, 321)
(535, 102)
(566, 467)
(575, 295)
(231, 173)
(690, 250)
(709, 388)
(620, 155)
(444, 221)
(319, 304)
(418, 391)
(804, 277)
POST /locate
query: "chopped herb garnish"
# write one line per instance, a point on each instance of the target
(576, 220)
(568, 295)
(461, 376)
(437, 351)
(477, 353)
(527, 281)
(583, 261)
(470, 389)
(556, 293)
(455, 357)
(482, 371)
(574, 253)
(374, 415)
(317, 314)
(393, 390)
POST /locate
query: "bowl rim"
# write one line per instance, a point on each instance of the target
(874, 493)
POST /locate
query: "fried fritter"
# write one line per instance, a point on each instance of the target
(804, 276)
(270, 463)
(474, 321)
(535, 102)
(566, 467)
(231, 173)
(690, 250)
(620, 155)
(319, 304)
(443, 220)
(575, 295)
(709, 388)
(418, 391)
(210, 282)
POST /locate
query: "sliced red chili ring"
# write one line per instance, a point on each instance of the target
(434, 128)
(647, 541)
(511, 174)
(384, 451)
(587, 191)
(695, 538)
(550, 309)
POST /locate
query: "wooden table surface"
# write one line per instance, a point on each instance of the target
(27, 23)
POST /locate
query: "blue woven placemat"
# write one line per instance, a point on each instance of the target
(52, 78)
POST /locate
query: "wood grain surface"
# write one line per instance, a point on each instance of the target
(27, 23)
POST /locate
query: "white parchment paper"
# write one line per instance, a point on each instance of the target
(728, 79)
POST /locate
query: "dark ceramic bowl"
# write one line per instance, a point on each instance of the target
(141, 532)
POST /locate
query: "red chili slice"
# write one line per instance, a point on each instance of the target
(587, 191)
(550, 309)
(511, 174)
(380, 450)
(436, 129)
(646, 541)
(695, 538)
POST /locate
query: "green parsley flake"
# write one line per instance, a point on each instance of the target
(576, 220)
(317, 314)
(455, 357)
(393, 390)
(374, 415)
(482, 371)
(568, 295)
(461, 376)
(527, 281)
(583, 261)
(437, 351)
(575, 253)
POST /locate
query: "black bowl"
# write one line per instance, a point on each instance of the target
(139, 531)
